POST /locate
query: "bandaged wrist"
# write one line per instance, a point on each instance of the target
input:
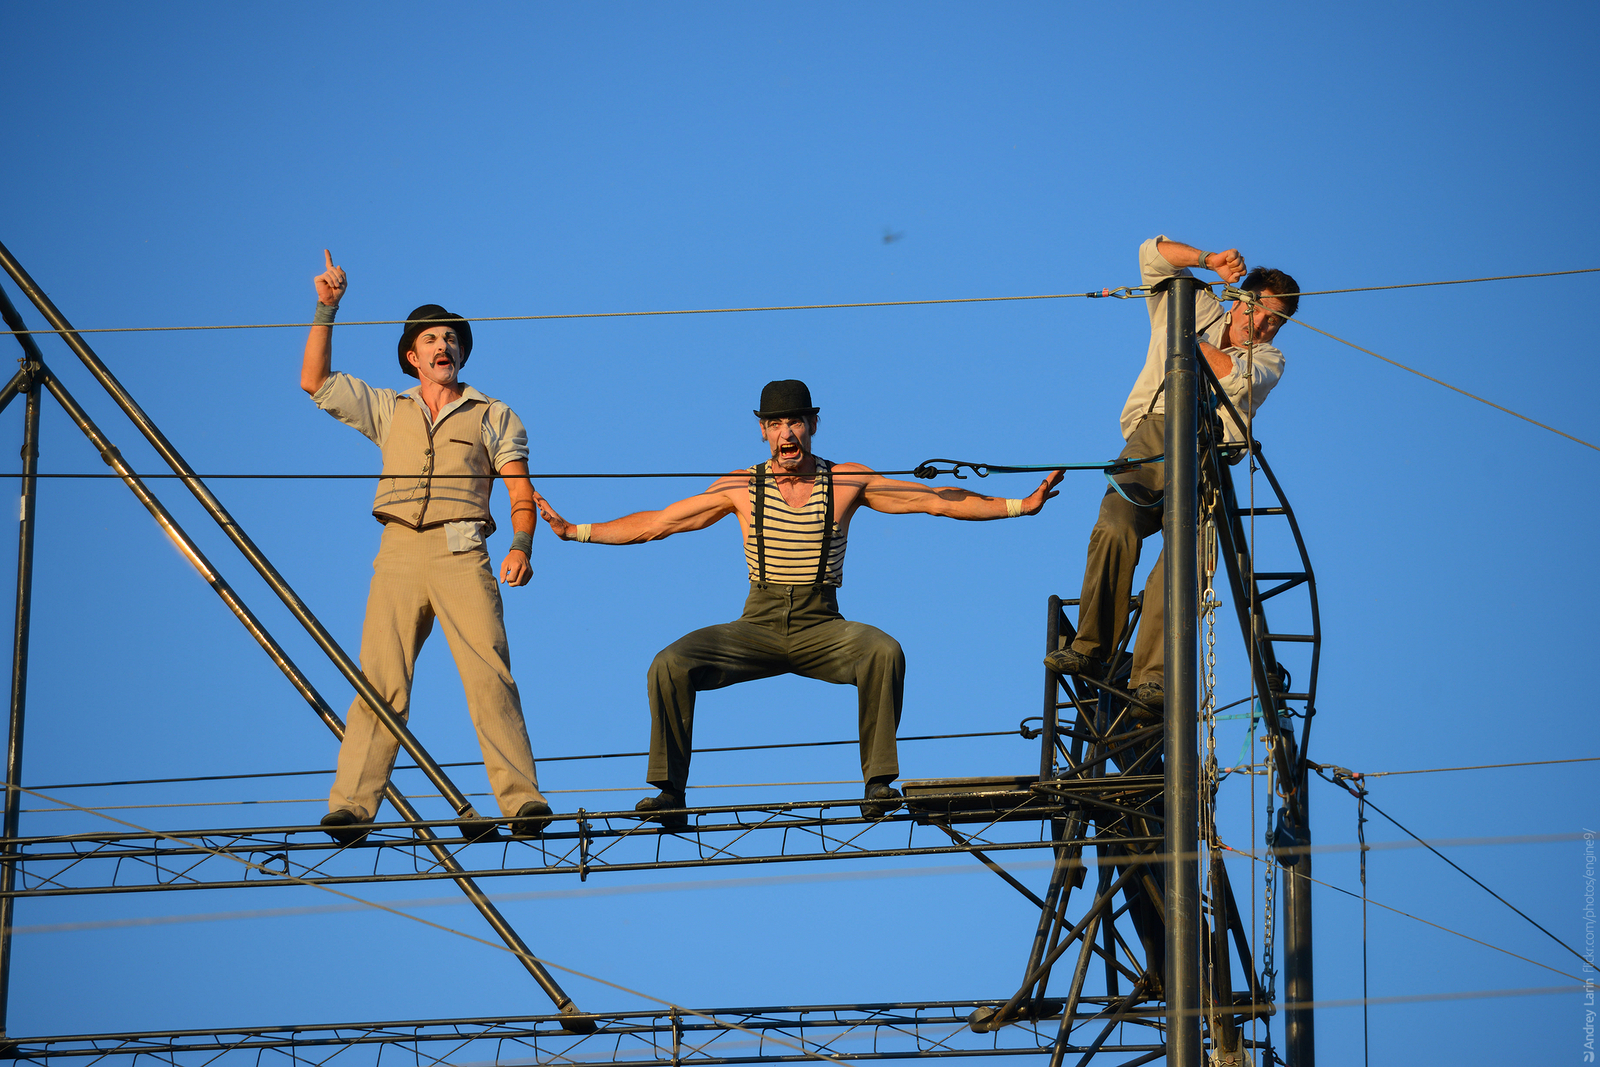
(324, 314)
(1013, 507)
(522, 541)
(584, 530)
(1203, 257)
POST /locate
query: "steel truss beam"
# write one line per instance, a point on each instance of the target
(596, 843)
(791, 1034)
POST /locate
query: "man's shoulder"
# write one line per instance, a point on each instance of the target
(469, 392)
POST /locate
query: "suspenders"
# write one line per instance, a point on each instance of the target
(759, 486)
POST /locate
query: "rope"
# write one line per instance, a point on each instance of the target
(435, 796)
(541, 759)
(1486, 766)
(587, 314)
(1123, 292)
(926, 470)
(1456, 281)
(1289, 872)
(1341, 772)
(1439, 381)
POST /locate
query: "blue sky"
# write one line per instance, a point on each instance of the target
(186, 165)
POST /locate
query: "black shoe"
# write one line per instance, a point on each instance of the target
(531, 819)
(1151, 696)
(344, 826)
(664, 802)
(475, 828)
(879, 801)
(1069, 661)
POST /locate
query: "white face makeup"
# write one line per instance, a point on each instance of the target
(436, 353)
(790, 441)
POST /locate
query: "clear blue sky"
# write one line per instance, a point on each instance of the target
(186, 164)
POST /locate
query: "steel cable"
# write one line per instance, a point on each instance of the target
(1125, 292)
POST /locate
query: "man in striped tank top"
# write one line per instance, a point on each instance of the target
(794, 511)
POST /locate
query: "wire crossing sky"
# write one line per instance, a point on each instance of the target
(849, 167)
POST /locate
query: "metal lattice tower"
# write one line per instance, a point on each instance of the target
(1122, 968)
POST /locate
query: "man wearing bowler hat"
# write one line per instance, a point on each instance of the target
(443, 445)
(794, 512)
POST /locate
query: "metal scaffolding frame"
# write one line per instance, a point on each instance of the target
(1108, 781)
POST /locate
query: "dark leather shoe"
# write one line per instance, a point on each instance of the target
(531, 819)
(1069, 661)
(1150, 694)
(476, 828)
(880, 800)
(344, 826)
(659, 809)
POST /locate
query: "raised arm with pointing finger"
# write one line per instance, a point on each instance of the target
(794, 513)
(444, 446)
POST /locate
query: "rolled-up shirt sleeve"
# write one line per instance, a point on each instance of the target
(504, 436)
(358, 405)
(1255, 371)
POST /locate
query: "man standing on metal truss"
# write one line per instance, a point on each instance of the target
(1237, 344)
(791, 622)
(443, 444)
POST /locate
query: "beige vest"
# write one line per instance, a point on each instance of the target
(409, 494)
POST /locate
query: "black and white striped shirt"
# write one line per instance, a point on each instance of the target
(793, 536)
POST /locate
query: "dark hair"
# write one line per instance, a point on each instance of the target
(1283, 287)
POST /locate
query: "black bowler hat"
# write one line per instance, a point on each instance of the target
(428, 315)
(786, 398)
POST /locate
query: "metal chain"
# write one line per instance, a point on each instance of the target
(1208, 717)
(1269, 974)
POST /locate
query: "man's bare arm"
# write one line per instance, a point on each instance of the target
(317, 366)
(1229, 264)
(517, 569)
(1221, 362)
(910, 498)
(692, 513)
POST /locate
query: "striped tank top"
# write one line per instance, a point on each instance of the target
(784, 543)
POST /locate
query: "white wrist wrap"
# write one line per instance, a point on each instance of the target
(1013, 507)
(584, 530)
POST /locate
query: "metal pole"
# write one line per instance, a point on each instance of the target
(392, 793)
(1181, 825)
(1047, 725)
(1298, 1028)
(236, 534)
(19, 675)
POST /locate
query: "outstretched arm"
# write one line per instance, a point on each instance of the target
(694, 513)
(317, 365)
(906, 498)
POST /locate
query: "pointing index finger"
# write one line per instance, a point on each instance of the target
(328, 258)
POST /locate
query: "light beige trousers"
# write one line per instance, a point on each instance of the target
(416, 579)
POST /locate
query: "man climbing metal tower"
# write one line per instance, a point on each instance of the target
(1237, 344)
